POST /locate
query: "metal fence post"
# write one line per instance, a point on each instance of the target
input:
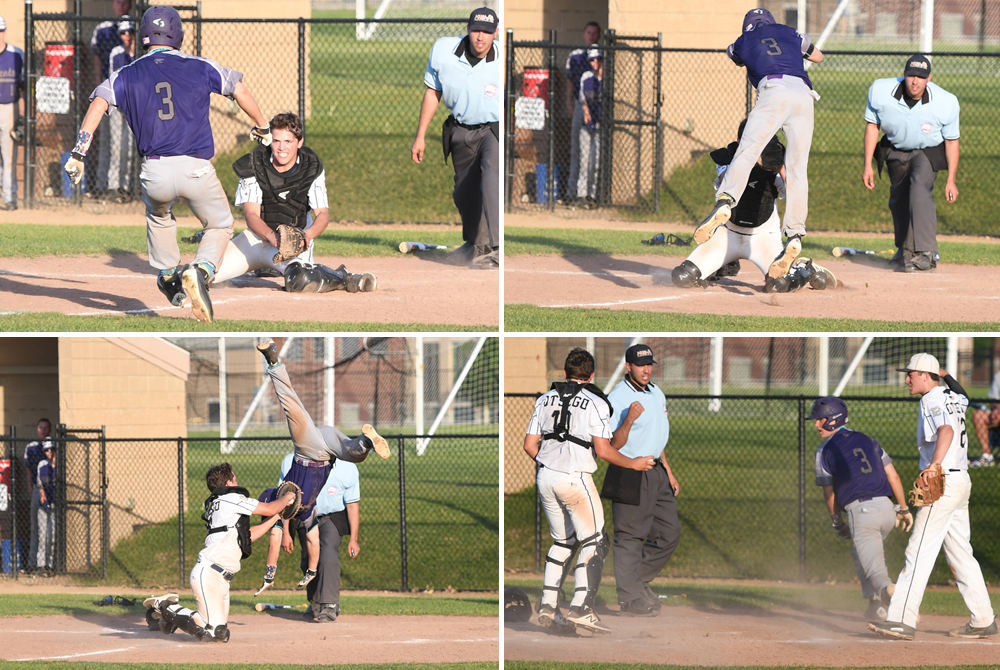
(550, 169)
(538, 525)
(658, 144)
(802, 488)
(77, 82)
(180, 504)
(605, 132)
(29, 105)
(106, 520)
(402, 515)
(508, 155)
(14, 484)
(302, 71)
(197, 39)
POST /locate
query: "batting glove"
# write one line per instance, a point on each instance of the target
(839, 527)
(74, 167)
(904, 519)
(262, 135)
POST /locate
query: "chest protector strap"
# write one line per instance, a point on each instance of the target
(242, 524)
(567, 392)
(285, 195)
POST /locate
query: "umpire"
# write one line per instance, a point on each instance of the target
(644, 509)
(920, 121)
(465, 72)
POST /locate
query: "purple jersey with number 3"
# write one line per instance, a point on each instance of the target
(165, 96)
(771, 48)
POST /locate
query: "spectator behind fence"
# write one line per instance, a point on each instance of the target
(34, 454)
(465, 73)
(920, 121)
(986, 420)
(11, 106)
(120, 139)
(577, 64)
(591, 86)
(103, 41)
(45, 483)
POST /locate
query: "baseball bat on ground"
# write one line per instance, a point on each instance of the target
(260, 607)
(851, 251)
(407, 247)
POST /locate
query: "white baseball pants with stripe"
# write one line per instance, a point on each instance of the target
(211, 590)
(730, 242)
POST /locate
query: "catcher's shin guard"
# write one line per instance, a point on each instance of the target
(173, 616)
(820, 278)
(558, 563)
(310, 278)
(687, 275)
(215, 634)
(595, 566)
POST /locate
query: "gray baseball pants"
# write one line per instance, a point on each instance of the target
(590, 161)
(646, 534)
(871, 522)
(36, 501)
(325, 588)
(119, 149)
(914, 215)
(574, 151)
(785, 103)
(312, 442)
(476, 157)
(8, 156)
(164, 180)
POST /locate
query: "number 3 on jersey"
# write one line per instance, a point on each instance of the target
(168, 100)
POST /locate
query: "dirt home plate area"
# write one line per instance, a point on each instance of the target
(269, 637)
(701, 636)
(410, 290)
(953, 293)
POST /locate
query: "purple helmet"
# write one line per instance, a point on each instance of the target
(755, 16)
(161, 26)
(832, 409)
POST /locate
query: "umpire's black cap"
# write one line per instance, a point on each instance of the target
(639, 354)
(918, 65)
(484, 19)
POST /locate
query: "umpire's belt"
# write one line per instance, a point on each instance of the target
(312, 464)
(225, 573)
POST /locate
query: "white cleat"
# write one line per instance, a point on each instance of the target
(779, 268)
(586, 618)
(380, 446)
(719, 216)
(153, 603)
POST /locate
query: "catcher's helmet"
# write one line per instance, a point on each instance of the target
(516, 606)
(161, 26)
(832, 409)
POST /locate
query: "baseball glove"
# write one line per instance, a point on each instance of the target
(293, 507)
(291, 242)
(928, 487)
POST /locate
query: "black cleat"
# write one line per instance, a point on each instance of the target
(170, 286)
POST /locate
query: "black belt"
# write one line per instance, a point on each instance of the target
(312, 464)
(472, 127)
(225, 573)
(954, 470)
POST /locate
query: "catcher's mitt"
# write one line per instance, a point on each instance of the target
(928, 487)
(293, 507)
(291, 242)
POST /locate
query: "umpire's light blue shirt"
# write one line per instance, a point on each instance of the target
(471, 93)
(931, 121)
(341, 487)
(650, 432)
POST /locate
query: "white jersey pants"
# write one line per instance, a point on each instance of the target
(730, 242)
(247, 252)
(211, 590)
(946, 523)
(574, 512)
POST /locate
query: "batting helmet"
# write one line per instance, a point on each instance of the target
(755, 16)
(832, 409)
(516, 606)
(161, 26)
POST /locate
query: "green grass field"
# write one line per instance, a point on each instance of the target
(452, 518)
(738, 503)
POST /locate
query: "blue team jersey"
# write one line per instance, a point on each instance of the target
(119, 58)
(576, 66)
(103, 42)
(11, 74)
(590, 95)
(854, 464)
(165, 96)
(45, 478)
(771, 48)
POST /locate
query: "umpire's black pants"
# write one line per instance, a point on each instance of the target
(914, 216)
(646, 534)
(325, 588)
(476, 157)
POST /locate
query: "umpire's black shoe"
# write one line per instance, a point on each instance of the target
(195, 282)
(920, 262)
(638, 607)
(327, 613)
(653, 599)
(970, 631)
(895, 629)
(171, 287)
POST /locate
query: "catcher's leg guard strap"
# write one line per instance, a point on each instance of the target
(309, 278)
(555, 571)
(687, 275)
(594, 567)
(183, 618)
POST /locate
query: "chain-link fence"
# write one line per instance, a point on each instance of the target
(669, 144)
(357, 84)
(129, 511)
(748, 503)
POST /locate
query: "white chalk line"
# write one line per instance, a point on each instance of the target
(46, 275)
(621, 302)
(57, 658)
(74, 632)
(597, 273)
(166, 309)
(427, 641)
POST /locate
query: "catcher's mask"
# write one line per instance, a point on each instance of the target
(773, 156)
(832, 409)
(516, 606)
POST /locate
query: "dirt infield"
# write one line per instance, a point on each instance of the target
(282, 637)
(410, 290)
(705, 636)
(869, 289)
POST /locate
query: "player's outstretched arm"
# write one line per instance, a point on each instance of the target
(427, 109)
(244, 98)
(262, 529)
(74, 166)
(896, 484)
(816, 56)
(275, 506)
(602, 446)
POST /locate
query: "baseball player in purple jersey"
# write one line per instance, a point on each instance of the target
(772, 54)
(165, 96)
(11, 124)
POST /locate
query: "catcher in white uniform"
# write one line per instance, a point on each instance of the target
(943, 445)
(227, 518)
(570, 423)
(753, 230)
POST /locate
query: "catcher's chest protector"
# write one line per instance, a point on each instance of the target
(285, 195)
(568, 392)
(242, 525)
